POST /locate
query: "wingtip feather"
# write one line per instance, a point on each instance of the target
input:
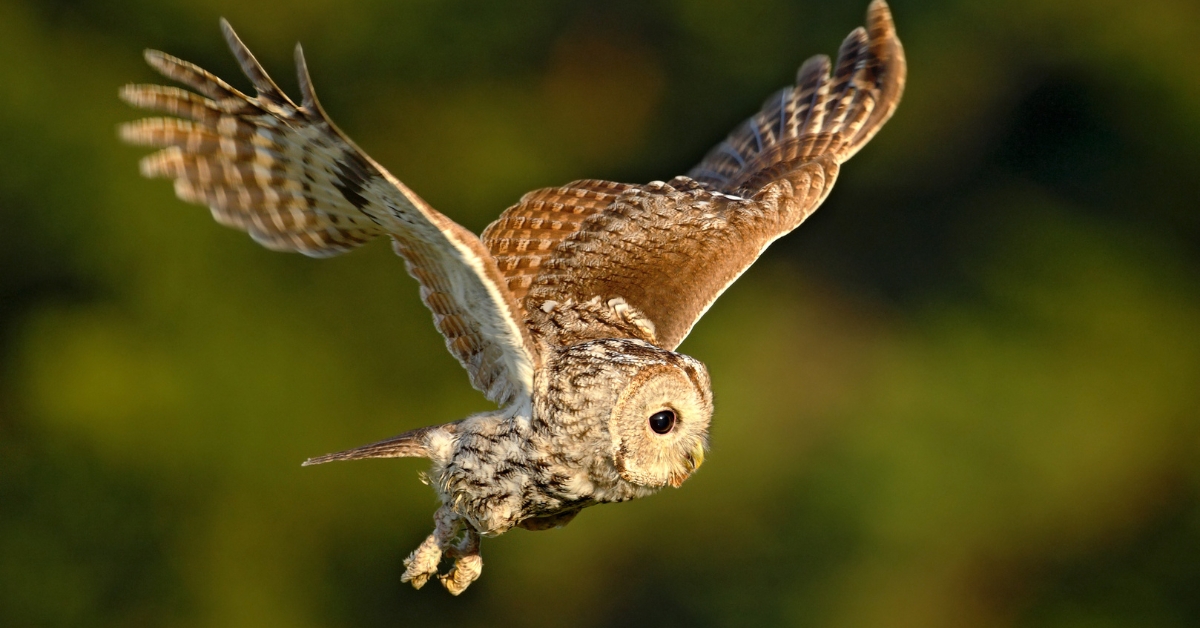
(307, 92)
(250, 65)
(264, 85)
(879, 13)
(816, 66)
(128, 93)
(159, 60)
(126, 133)
(232, 41)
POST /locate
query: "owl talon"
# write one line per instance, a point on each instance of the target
(467, 563)
(416, 581)
(422, 563)
(465, 571)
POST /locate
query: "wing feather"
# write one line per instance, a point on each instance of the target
(285, 174)
(650, 264)
(819, 115)
(527, 233)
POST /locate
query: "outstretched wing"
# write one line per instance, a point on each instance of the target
(818, 117)
(649, 265)
(286, 175)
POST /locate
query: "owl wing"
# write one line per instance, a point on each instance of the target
(526, 234)
(652, 262)
(286, 175)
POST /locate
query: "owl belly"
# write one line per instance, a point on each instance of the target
(499, 476)
(494, 497)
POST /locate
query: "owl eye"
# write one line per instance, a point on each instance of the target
(662, 422)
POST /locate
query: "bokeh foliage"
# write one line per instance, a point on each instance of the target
(964, 393)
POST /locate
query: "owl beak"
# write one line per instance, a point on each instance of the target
(697, 456)
(694, 460)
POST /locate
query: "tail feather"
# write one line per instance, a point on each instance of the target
(412, 444)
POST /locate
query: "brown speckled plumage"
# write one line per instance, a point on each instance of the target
(567, 311)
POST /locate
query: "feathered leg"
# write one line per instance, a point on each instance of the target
(423, 562)
(467, 563)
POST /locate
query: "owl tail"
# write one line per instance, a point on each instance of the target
(820, 117)
(414, 444)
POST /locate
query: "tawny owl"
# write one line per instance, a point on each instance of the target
(567, 311)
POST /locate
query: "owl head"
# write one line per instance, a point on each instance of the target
(654, 415)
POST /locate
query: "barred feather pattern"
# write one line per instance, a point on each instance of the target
(273, 170)
(526, 234)
(820, 115)
(286, 175)
(665, 251)
(595, 259)
(679, 246)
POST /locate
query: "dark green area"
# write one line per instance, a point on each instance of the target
(963, 394)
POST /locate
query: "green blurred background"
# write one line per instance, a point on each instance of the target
(964, 394)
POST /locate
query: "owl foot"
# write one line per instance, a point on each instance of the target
(423, 562)
(467, 563)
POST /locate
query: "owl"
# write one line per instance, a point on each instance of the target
(567, 311)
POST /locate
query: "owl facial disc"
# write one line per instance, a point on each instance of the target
(659, 424)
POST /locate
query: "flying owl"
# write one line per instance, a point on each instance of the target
(567, 311)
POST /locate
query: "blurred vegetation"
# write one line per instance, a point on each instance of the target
(963, 394)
